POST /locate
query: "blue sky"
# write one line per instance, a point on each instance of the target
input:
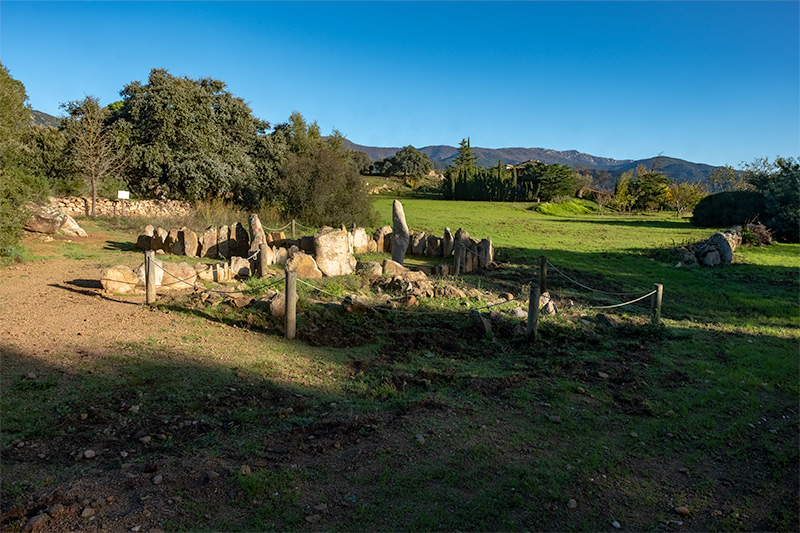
(710, 82)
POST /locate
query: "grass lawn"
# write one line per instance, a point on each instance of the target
(415, 421)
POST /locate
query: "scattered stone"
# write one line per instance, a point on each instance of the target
(634, 435)
(683, 511)
(123, 454)
(305, 266)
(615, 524)
(87, 512)
(683, 470)
(119, 279)
(606, 320)
(55, 509)
(240, 267)
(581, 390)
(245, 470)
(313, 518)
(158, 479)
(321, 507)
(146, 439)
(420, 438)
(89, 454)
(370, 268)
(177, 276)
(572, 504)
(393, 268)
(602, 375)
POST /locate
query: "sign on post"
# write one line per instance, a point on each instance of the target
(123, 195)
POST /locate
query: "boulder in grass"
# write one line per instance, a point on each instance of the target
(240, 267)
(70, 227)
(178, 276)
(119, 279)
(393, 267)
(360, 241)
(159, 236)
(143, 242)
(45, 219)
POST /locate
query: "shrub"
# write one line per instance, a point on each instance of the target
(728, 208)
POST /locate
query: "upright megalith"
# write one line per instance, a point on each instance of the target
(257, 236)
(239, 240)
(333, 254)
(448, 243)
(189, 241)
(224, 242)
(400, 234)
(208, 243)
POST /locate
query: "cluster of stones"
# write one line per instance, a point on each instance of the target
(75, 205)
(51, 219)
(716, 250)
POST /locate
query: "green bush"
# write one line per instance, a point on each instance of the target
(728, 208)
(568, 207)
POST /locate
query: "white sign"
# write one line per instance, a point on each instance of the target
(124, 195)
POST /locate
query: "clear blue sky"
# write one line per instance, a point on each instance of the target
(710, 82)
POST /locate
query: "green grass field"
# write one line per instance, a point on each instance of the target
(414, 421)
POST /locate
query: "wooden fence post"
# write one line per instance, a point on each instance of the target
(291, 303)
(543, 275)
(150, 276)
(293, 230)
(532, 331)
(655, 306)
(262, 260)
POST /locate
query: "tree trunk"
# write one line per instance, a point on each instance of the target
(94, 194)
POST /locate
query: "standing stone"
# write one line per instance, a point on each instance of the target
(448, 243)
(149, 230)
(307, 244)
(143, 242)
(304, 265)
(208, 243)
(239, 240)
(418, 244)
(360, 241)
(257, 236)
(189, 241)
(281, 255)
(171, 243)
(383, 239)
(224, 242)
(334, 257)
(159, 236)
(433, 246)
(485, 254)
(400, 234)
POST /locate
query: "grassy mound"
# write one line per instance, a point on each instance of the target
(574, 206)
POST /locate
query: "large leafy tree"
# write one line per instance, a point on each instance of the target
(317, 179)
(779, 182)
(192, 139)
(94, 151)
(18, 185)
(410, 162)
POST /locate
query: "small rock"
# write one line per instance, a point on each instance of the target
(602, 375)
(554, 418)
(55, 509)
(146, 439)
(313, 518)
(136, 528)
(615, 524)
(420, 438)
(123, 454)
(321, 507)
(683, 470)
(581, 390)
(572, 504)
(89, 454)
(245, 470)
(683, 511)
(634, 435)
(34, 523)
(158, 479)
(84, 416)
(87, 512)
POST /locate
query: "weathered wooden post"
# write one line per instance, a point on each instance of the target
(291, 303)
(262, 260)
(543, 275)
(293, 230)
(150, 276)
(655, 306)
(532, 331)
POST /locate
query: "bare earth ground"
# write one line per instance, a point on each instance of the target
(54, 317)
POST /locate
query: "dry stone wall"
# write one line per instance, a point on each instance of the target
(75, 205)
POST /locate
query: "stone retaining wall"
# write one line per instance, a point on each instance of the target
(75, 205)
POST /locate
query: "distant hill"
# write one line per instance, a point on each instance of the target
(442, 156)
(43, 119)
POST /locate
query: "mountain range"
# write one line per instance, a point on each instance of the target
(442, 156)
(678, 170)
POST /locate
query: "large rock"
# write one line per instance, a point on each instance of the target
(188, 239)
(400, 234)
(383, 239)
(393, 268)
(143, 242)
(224, 242)
(277, 305)
(119, 279)
(239, 241)
(304, 265)
(334, 256)
(177, 276)
(280, 255)
(174, 242)
(448, 242)
(70, 227)
(45, 219)
(219, 272)
(485, 255)
(208, 243)
(370, 268)
(240, 267)
(257, 236)
(158, 271)
(418, 242)
(712, 258)
(307, 244)
(360, 241)
(726, 243)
